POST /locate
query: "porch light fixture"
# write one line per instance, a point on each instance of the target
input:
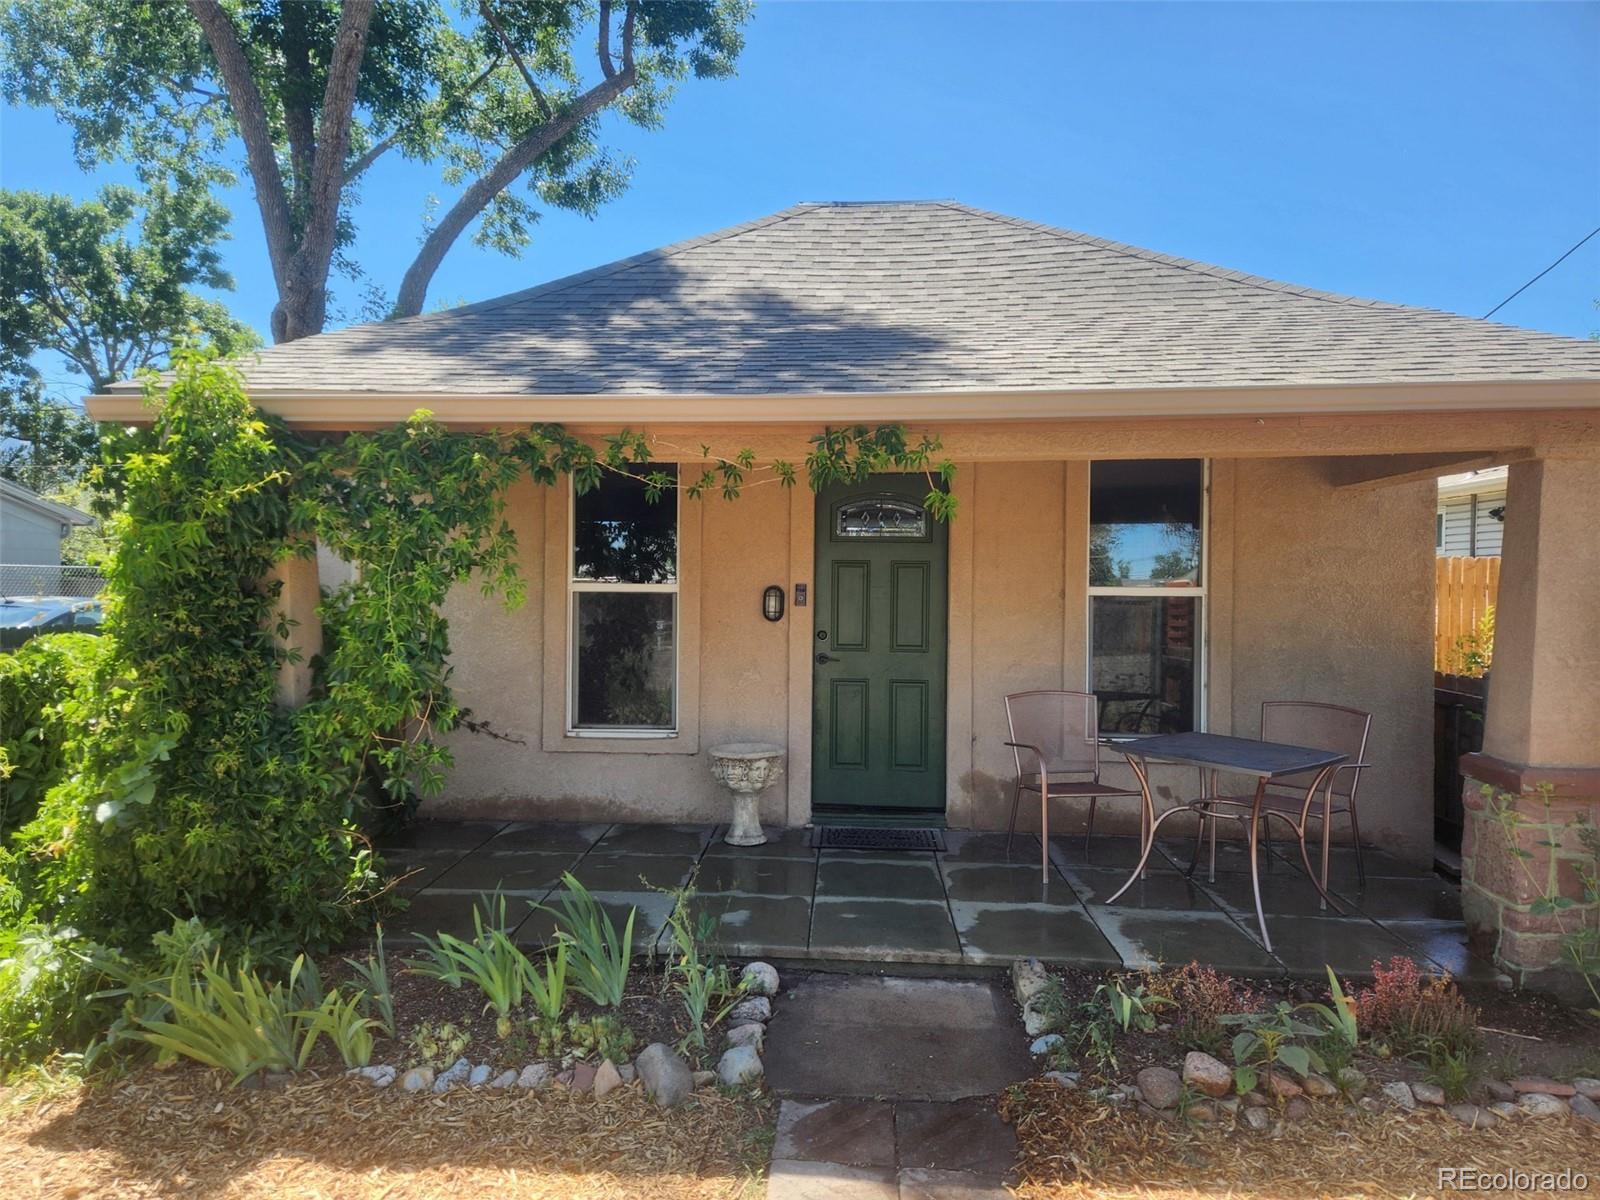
(772, 603)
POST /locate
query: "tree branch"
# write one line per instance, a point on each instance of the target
(357, 168)
(527, 75)
(607, 67)
(527, 151)
(250, 115)
(305, 295)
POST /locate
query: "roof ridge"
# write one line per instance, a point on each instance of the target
(1243, 278)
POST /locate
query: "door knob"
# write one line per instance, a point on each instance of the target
(823, 657)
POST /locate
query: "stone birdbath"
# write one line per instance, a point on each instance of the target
(746, 769)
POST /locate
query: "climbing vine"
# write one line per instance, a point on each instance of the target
(185, 788)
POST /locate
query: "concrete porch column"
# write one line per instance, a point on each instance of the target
(1525, 850)
(299, 592)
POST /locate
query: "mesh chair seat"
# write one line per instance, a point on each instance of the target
(1275, 802)
(1065, 785)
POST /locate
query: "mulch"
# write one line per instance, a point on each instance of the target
(183, 1132)
(1071, 1145)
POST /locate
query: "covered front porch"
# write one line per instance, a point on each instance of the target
(968, 905)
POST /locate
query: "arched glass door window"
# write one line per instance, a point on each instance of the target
(882, 518)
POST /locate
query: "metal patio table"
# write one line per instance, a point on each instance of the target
(1213, 752)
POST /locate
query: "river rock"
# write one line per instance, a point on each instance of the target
(417, 1079)
(1280, 1086)
(704, 1079)
(1399, 1093)
(378, 1076)
(752, 1033)
(1028, 979)
(1206, 1074)
(1585, 1109)
(756, 1008)
(1505, 1109)
(1587, 1087)
(457, 1073)
(1161, 1086)
(759, 979)
(1258, 1119)
(504, 1080)
(534, 1076)
(607, 1079)
(1539, 1086)
(582, 1078)
(739, 1065)
(1472, 1116)
(1538, 1104)
(479, 1075)
(1319, 1086)
(1045, 1044)
(1500, 1090)
(1428, 1093)
(1352, 1081)
(667, 1078)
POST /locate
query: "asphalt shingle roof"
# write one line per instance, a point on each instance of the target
(910, 297)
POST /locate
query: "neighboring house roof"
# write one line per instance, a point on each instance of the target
(1490, 479)
(15, 493)
(916, 297)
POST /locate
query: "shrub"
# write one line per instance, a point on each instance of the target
(491, 962)
(1202, 996)
(1412, 1011)
(41, 691)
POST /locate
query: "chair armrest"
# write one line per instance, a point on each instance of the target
(1033, 750)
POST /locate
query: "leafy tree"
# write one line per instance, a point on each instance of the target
(105, 285)
(44, 444)
(318, 92)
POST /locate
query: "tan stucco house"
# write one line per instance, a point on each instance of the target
(1187, 489)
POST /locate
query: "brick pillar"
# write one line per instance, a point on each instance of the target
(1525, 851)
(299, 592)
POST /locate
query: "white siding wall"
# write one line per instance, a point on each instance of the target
(1462, 536)
(27, 536)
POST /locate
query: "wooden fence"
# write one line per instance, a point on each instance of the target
(1464, 589)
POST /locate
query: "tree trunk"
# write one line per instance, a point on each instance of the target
(414, 287)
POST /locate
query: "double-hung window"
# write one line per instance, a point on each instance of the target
(623, 614)
(1147, 593)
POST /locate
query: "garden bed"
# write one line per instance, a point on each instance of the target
(185, 1132)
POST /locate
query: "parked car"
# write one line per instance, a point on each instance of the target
(24, 617)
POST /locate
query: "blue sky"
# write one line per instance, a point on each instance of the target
(1431, 154)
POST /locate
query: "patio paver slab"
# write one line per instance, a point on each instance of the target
(601, 871)
(753, 926)
(526, 871)
(962, 1135)
(1157, 890)
(550, 836)
(1306, 944)
(1006, 883)
(1151, 939)
(790, 1179)
(655, 839)
(857, 1133)
(908, 877)
(998, 933)
(757, 876)
(883, 930)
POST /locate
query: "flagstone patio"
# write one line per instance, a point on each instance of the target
(969, 905)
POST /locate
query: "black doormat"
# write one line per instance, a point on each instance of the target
(855, 837)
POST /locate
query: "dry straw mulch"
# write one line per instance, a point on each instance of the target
(1072, 1146)
(182, 1133)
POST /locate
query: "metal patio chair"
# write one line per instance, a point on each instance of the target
(1291, 799)
(1055, 740)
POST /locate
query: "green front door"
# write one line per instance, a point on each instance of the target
(878, 650)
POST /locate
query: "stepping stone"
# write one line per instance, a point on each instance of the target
(856, 1133)
(925, 1183)
(860, 1037)
(788, 1179)
(966, 1135)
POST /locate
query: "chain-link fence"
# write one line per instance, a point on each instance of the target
(42, 579)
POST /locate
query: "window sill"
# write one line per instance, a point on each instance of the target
(631, 734)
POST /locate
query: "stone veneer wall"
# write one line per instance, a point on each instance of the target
(1525, 855)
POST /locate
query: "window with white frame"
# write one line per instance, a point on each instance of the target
(1147, 593)
(623, 611)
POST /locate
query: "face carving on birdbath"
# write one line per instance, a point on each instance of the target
(746, 769)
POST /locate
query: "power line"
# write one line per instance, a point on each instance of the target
(1542, 273)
